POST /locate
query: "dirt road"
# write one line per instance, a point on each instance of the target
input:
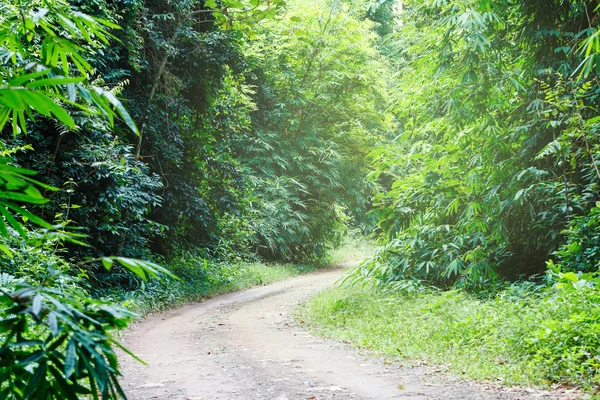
(247, 345)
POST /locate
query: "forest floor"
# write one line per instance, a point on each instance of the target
(250, 345)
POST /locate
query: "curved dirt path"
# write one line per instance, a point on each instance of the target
(247, 345)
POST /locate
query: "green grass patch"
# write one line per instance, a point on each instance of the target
(354, 247)
(200, 279)
(522, 336)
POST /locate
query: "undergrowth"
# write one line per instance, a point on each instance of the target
(523, 336)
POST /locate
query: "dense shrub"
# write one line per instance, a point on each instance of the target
(581, 253)
(496, 148)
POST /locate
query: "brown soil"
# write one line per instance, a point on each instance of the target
(247, 345)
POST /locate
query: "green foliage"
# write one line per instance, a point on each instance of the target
(19, 186)
(48, 71)
(187, 93)
(211, 104)
(44, 70)
(55, 340)
(56, 343)
(495, 152)
(244, 14)
(466, 132)
(581, 253)
(321, 103)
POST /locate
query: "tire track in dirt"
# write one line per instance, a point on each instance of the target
(247, 345)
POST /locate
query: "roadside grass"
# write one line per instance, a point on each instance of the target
(520, 337)
(201, 279)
